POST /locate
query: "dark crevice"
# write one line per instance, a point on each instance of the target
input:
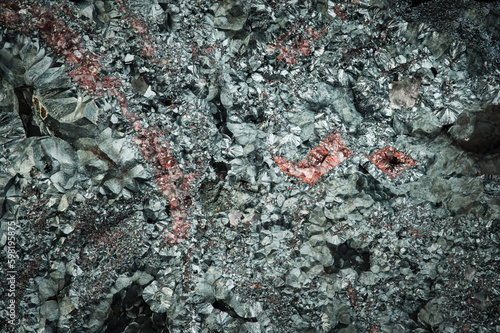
(414, 315)
(220, 116)
(221, 168)
(340, 326)
(415, 3)
(347, 257)
(223, 306)
(130, 313)
(485, 138)
(26, 112)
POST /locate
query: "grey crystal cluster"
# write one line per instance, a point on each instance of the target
(211, 115)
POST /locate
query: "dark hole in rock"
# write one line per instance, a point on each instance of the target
(12, 5)
(340, 326)
(117, 320)
(221, 168)
(223, 306)
(414, 267)
(345, 256)
(486, 135)
(414, 314)
(415, 3)
(484, 142)
(47, 163)
(130, 313)
(220, 116)
(446, 128)
(394, 161)
(165, 101)
(163, 5)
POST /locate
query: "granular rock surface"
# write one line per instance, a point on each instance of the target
(249, 166)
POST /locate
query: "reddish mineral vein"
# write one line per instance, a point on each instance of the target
(171, 180)
(392, 162)
(169, 177)
(329, 153)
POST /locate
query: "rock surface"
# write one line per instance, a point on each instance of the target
(249, 166)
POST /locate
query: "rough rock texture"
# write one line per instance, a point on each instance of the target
(249, 166)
